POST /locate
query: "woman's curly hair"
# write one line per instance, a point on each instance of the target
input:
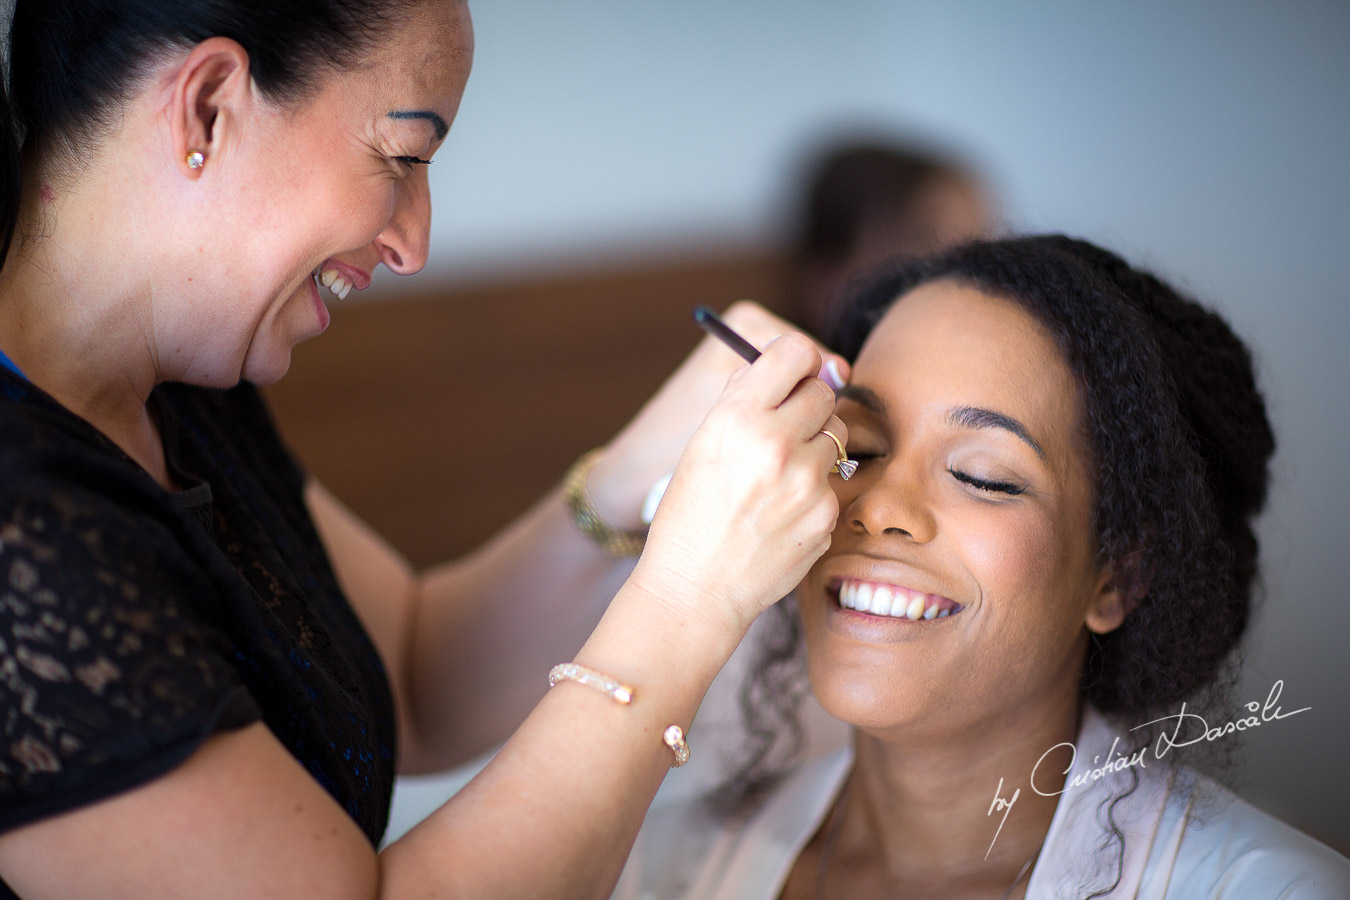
(1180, 445)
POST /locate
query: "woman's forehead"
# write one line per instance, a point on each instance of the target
(946, 342)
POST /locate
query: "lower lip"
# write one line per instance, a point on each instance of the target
(865, 627)
(319, 308)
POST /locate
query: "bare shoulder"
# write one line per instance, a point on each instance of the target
(239, 818)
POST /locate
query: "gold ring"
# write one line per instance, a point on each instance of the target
(843, 465)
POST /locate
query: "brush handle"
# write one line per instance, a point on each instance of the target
(711, 323)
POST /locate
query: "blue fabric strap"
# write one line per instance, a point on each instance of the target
(9, 364)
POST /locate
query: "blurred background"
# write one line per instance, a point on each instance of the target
(616, 163)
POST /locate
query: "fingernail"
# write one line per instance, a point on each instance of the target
(832, 374)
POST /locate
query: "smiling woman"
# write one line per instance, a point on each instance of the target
(1045, 551)
(209, 667)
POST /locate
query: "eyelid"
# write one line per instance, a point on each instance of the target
(412, 160)
(989, 486)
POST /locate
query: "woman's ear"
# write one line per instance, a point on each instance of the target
(211, 92)
(1112, 600)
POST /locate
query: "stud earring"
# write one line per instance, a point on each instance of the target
(195, 159)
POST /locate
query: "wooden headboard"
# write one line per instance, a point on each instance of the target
(441, 416)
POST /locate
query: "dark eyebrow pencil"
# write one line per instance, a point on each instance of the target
(711, 323)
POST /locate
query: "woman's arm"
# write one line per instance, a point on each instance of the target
(556, 811)
(467, 644)
(553, 815)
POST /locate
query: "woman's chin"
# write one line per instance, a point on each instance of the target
(265, 369)
(865, 703)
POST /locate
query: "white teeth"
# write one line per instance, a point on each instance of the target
(335, 282)
(339, 285)
(899, 603)
(896, 603)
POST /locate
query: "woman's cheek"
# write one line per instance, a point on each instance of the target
(1013, 553)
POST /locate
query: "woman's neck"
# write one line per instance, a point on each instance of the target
(72, 322)
(926, 814)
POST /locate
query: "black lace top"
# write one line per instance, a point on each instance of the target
(135, 622)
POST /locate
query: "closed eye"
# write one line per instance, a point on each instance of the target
(412, 160)
(993, 487)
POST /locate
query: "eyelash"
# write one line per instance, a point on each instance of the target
(993, 487)
(412, 160)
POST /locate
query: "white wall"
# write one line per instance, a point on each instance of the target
(1208, 140)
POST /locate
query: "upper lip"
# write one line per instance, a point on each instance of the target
(360, 279)
(862, 567)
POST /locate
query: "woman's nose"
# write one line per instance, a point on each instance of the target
(405, 242)
(890, 501)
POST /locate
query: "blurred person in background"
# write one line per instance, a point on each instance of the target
(867, 201)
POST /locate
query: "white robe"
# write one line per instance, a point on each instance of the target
(1185, 837)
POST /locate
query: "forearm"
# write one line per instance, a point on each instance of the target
(562, 802)
(553, 816)
(486, 629)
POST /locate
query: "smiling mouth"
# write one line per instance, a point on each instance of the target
(892, 601)
(333, 280)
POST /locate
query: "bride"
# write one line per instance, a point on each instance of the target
(1046, 550)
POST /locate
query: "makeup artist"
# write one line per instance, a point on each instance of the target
(209, 668)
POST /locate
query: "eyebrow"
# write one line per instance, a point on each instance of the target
(867, 398)
(437, 122)
(959, 416)
(976, 417)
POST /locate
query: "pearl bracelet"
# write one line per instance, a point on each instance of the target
(620, 693)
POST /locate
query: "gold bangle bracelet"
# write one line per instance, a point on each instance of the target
(614, 541)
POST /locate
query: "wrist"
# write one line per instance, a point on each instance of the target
(618, 485)
(668, 654)
(689, 607)
(616, 539)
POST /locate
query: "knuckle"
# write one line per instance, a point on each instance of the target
(744, 313)
(801, 347)
(822, 394)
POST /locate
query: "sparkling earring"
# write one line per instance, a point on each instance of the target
(195, 159)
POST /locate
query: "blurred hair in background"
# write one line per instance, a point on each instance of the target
(868, 200)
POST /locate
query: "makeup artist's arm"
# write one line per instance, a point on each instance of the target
(469, 643)
(555, 812)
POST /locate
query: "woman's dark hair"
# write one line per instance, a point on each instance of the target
(72, 62)
(1180, 445)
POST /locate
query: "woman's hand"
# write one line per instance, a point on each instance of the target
(749, 508)
(649, 446)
